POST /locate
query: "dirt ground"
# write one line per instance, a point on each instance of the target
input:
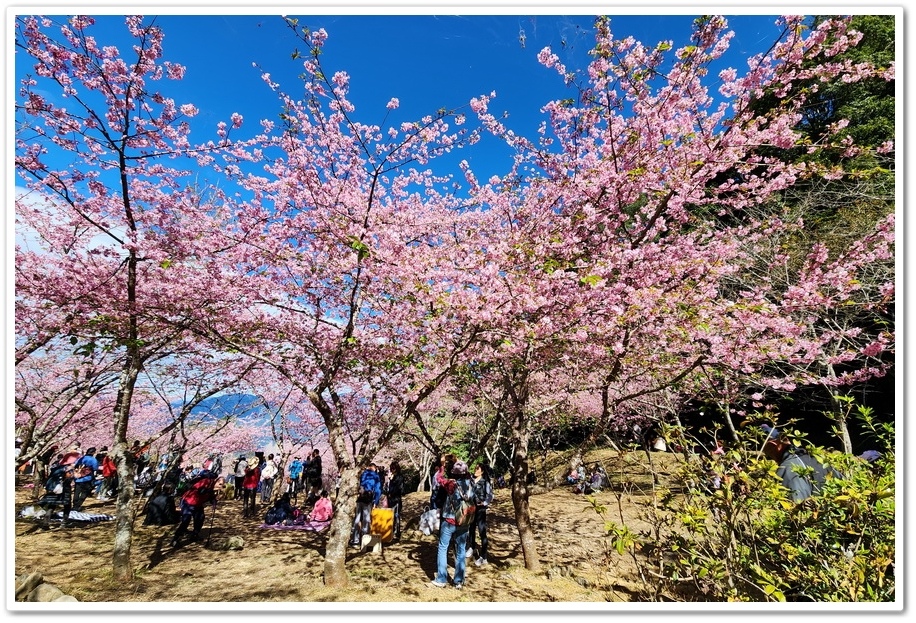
(286, 566)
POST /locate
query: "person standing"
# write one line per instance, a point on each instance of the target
(240, 466)
(369, 493)
(268, 475)
(84, 469)
(395, 493)
(109, 478)
(295, 478)
(483, 497)
(395, 496)
(437, 494)
(249, 495)
(458, 488)
(43, 464)
(193, 501)
(313, 475)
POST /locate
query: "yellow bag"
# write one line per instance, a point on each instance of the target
(382, 522)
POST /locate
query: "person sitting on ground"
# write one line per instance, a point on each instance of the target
(599, 478)
(323, 510)
(801, 473)
(281, 512)
(575, 476)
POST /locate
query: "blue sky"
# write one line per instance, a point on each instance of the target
(426, 61)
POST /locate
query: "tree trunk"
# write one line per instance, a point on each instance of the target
(840, 414)
(124, 514)
(335, 557)
(729, 424)
(520, 469)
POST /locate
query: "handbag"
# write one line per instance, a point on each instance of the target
(429, 521)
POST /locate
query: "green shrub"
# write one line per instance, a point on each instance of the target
(746, 540)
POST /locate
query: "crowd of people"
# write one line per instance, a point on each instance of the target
(459, 497)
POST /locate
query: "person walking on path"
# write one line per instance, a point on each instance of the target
(483, 497)
(458, 488)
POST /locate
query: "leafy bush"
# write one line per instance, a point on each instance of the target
(725, 529)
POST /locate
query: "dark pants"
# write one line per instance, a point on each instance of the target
(81, 491)
(189, 513)
(479, 526)
(238, 487)
(249, 497)
(395, 505)
(50, 502)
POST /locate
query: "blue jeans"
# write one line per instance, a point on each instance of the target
(446, 531)
(362, 522)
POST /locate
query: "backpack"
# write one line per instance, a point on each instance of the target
(274, 516)
(55, 482)
(464, 507)
(364, 495)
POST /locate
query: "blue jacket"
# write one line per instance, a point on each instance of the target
(91, 463)
(370, 481)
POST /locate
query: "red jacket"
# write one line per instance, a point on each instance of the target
(252, 478)
(200, 492)
(109, 468)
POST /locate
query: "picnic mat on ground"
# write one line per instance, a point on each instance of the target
(311, 526)
(81, 516)
(31, 512)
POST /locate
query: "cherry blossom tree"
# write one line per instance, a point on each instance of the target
(624, 237)
(349, 247)
(622, 256)
(123, 236)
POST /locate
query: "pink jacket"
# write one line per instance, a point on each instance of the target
(323, 510)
